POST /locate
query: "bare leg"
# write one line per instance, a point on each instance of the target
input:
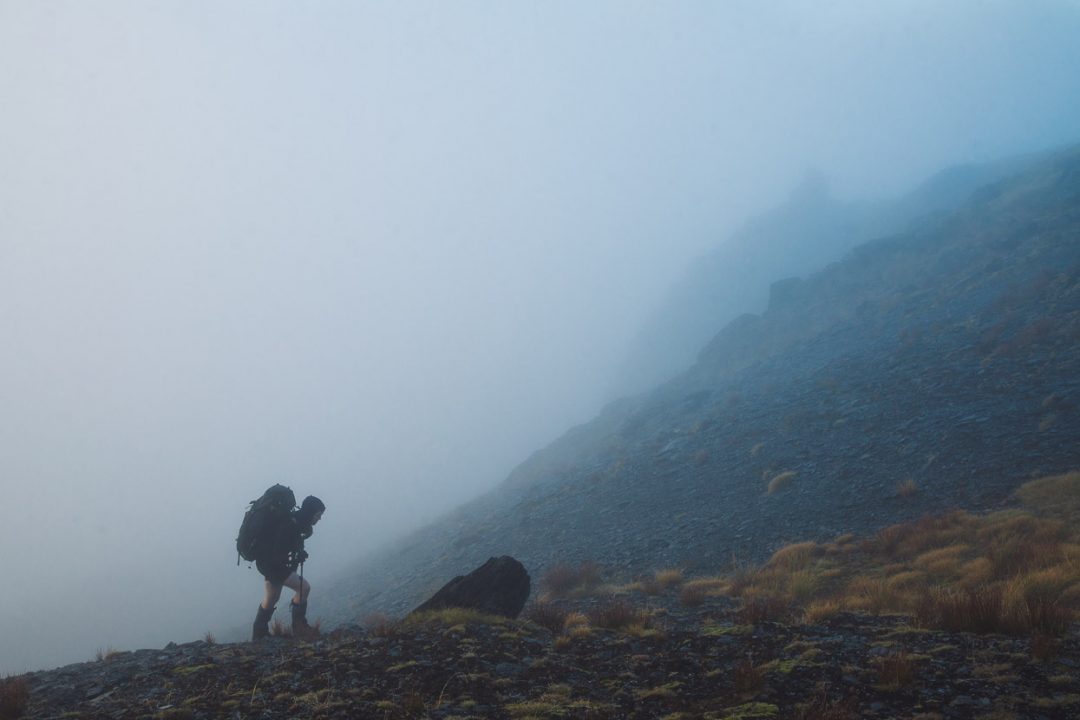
(293, 582)
(273, 593)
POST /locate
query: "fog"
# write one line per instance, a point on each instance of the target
(382, 252)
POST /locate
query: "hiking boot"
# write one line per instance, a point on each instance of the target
(300, 627)
(261, 627)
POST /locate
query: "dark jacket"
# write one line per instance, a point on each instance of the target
(286, 550)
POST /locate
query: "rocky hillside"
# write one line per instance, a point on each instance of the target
(931, 369)
(957, 616)
(704, 663)
(811, 229)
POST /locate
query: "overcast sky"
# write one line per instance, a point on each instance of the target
(383, 251)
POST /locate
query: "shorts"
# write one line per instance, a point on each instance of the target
(274, 574)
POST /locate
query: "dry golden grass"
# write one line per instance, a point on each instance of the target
(694, 592)
(14, 697)
(820, 610)
(669, 577)
(780, 482)
(1013, 571)
(907, 488)
(1055, 497)
(895, 670)
(561, 580)
(548, 616)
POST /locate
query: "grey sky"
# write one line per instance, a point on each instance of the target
(382, 251)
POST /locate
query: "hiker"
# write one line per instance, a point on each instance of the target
(278, 565)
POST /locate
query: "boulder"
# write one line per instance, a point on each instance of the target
(498, 587)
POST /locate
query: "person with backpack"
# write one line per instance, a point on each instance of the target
(273, 535)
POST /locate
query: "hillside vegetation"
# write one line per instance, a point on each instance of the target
(952, 616)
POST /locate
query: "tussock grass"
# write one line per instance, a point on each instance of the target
(562, 580)
(14, 697)
(381, 625)
(694, 592)
(780, 482)
(618, 615)
(452, 617)
(896, 670)
(907, 488)
(1015, 571)
(548, 616)
(669, 577)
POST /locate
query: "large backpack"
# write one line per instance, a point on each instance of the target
(261, 519)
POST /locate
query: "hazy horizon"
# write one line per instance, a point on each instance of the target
(381, 253)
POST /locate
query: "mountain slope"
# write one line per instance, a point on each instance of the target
(801, 236)
(944, 356)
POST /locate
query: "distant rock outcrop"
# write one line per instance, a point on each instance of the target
(498, 587)
(810, 230)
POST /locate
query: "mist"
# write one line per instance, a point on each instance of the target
(382, 252)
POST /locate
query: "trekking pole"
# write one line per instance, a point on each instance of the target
(301, 582)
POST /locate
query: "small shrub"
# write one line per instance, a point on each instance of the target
(821, 610)
(649, 585)
(618, 615)
(380, 625)
(209, 638)
(669, 577)
(107, 654)
(868, 594)
(1046, 615)
(747, 677)
(452, 617)
(979, 610)
(1043, 647)
(14, 697)
(562, 579)
(944, 561)
(549, 616)
(576, 620)
(895, 670)
(764, 608)
(822, 707)
(693, 593)
(795, 557)
(906, 489)
(780, 482)
(1057, 496)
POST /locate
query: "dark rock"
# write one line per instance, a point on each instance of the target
(499, 587)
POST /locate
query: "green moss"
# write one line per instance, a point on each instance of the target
(720, 630)
(938, 649)
(751, 711)
(799, 646)
(1057, 701)
(663, 691)
(402, 666)
(534, 709)
(786, 666)
(190, 669)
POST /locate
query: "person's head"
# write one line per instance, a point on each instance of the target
(310, 511)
